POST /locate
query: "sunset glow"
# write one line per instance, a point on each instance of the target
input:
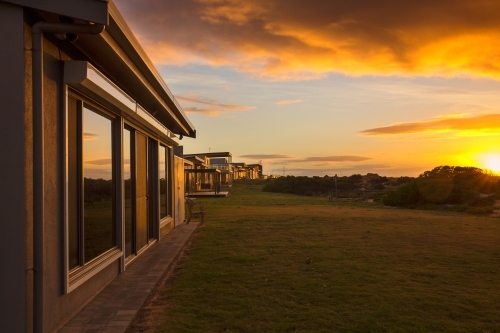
(492, 162)
(398, 87)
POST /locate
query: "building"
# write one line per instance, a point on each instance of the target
(212, 172)
(87, 179)
(256, 172)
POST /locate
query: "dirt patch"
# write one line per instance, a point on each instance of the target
(151, 313)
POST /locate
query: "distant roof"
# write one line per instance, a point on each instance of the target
(218, 154)
(194, 158)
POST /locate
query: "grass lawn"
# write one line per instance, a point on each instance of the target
(267, 262)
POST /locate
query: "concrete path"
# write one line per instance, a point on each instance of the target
(113, 309)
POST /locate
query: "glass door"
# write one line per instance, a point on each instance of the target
(141, 190)
(135, 154)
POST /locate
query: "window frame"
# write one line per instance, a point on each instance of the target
(163, 221)
(152, 223)
(74, 277)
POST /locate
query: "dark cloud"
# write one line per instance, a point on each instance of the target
(90, 136)
(327, 160)
(294, 39)
(103, 161)
(487, 123)
(265, 156)
(342, 158)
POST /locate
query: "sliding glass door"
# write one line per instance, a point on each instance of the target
(135, 153)
(141, 190)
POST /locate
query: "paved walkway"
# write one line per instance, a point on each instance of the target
(113, 309)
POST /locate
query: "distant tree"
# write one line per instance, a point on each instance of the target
(403, 180)
(446, 185)
(356, 178)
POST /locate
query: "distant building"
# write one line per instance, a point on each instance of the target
(257, 171)
(219, 170)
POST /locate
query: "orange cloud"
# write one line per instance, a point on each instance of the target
(237, 12)
(294, 40)
(215, 108)
(293, 101)
(482, 124)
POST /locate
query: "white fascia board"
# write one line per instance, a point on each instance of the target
(84, 77)
(125, 31)
(88, 10)
(146, 118)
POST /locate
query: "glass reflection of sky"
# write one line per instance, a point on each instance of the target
(163, 181)
(98, 225)
(97, 151)
(126, 154)
(161, 161)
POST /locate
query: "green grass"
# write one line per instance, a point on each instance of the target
(267, 262)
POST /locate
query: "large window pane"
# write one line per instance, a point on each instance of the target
(97, 156)
(127, 172)
(162, 153)
(73, 181)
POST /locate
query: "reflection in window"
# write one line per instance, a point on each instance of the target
(97, 172)
(127, 172)
(162, 154)
(73, 185)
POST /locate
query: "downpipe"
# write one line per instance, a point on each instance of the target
(38, 30)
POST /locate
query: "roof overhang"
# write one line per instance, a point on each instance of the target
(88, 10)
(117, 54)
(195, 158)
(202, 170)
(215, 154)
(84, 77)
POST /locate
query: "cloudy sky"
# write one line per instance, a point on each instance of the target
(332, 86)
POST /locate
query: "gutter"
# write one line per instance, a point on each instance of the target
(38, 153)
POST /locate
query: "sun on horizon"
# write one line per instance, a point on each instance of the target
(492, 162)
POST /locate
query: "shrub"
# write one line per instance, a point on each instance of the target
(480, 210)
(405, 195)
(483, 202)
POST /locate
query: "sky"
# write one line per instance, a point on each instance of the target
(328, 87)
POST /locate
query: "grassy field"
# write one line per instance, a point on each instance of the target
(267, 262)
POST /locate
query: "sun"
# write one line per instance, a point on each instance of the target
(492, 162)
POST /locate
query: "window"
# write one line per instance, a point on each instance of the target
(91, 183)
(163, 172)
(127, 174)
(117, 176)
(137, 157)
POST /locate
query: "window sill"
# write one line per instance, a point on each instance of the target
(82, 274)
(165, 221)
